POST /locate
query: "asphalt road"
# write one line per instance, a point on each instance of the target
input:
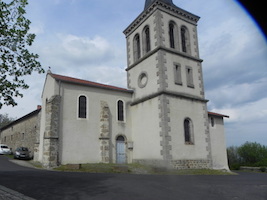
(50, 185)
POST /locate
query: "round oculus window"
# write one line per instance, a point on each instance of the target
(142, 80)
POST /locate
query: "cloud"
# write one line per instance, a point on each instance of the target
(235, 60)
(239, 133)
(37, 28)
(251, 112)
(236, 94)
(109, 75)
(247, 122)
(82, 49)
(67, 52)
(93, 59)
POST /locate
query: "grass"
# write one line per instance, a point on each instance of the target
(133, 168)
(10, 156)
(138, 169)
(36, 164)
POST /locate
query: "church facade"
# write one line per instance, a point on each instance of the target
(161, 119)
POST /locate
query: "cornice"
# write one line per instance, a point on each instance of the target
(169, 50)
(170, 93)
(170, 9)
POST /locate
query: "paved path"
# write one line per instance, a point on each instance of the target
(5, 165)
(42, 185)
(8, 194)
(22, 163)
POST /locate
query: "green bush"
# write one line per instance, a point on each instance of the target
(234, 166)
(252, 153)
(262, 163)
(249, 154)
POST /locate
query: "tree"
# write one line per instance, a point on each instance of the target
(5, 120)
(252, 153)
(15, 59)
(233, 157)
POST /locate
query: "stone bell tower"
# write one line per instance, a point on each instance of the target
(169, 112)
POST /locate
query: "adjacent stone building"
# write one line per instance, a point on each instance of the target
(23, 132)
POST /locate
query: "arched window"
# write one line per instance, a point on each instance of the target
(146, 40)
(82, 107)
(136, 47)
(120, 108)
(185, 40)
(171, 34)
(188, 131)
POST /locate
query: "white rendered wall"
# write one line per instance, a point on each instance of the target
(145, 130)
(179, 111)
(149, 67)
(218, 145)
(80, 137)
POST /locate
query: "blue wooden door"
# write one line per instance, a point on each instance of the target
(121, 153)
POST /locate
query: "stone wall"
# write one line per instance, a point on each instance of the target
(22, 132)
(105, 133)
(50, 146)
(191, 164)
(176, 164)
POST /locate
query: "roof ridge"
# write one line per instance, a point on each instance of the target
(87, 82)
(218, 114)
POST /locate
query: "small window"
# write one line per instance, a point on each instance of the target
(136, 47)
(212, 122)
(188, 131)
(177, 74)
(82, 107)
(146, 40)
(120, 107)
(189, 77)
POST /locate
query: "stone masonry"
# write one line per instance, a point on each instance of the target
(105, 133)
(50, 146)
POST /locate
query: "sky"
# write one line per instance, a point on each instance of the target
(84, 39)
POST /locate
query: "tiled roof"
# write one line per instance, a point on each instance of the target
(217, 114)
(87, 83)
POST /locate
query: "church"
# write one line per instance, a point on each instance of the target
(161, 119)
